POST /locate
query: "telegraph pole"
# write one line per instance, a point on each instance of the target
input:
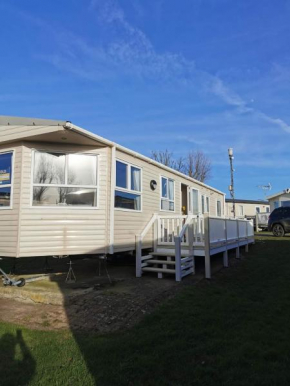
(231, 187)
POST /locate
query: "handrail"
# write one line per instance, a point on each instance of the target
(148, 226)
(185, 226)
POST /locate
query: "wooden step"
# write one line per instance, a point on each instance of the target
(153, 261)
(169, 253)
(162, 270)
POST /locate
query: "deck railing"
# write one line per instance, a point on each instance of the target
(185, 233)
(171, 226)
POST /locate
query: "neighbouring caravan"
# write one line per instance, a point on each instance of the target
(67, 191)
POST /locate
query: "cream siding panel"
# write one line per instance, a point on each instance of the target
(129, 223)
(62, 231)
(9, 217)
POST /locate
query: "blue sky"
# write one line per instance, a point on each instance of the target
(181, 75)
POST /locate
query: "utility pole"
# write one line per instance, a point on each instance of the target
(231, 187)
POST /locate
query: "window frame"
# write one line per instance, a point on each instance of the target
(66, 153)
(167, 198)
(128, 190)
(217, 215)
(11, 186)
(257, 211)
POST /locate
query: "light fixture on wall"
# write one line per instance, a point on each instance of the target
(153, 185)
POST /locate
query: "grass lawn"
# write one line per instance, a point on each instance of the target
(233, 330)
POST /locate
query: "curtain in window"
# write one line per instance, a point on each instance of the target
(135, 179)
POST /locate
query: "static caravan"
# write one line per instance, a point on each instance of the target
(246, 208)
(67, 191)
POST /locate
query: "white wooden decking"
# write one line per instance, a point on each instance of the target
(178, 239)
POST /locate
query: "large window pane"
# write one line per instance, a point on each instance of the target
(171, 189)
(121, 175)
(5, 169)
(127, 200)
(82, 169)
(57, 196)
(135, 179)
(5, 196)
(164, 187)
(49, 168)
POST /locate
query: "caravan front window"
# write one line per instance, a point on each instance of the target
(64, 179)
(128, 186)
(6, 180)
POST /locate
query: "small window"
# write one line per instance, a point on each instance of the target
(267, 210)
(128, 186)
(64, 180)
(167, 194)
(219, 208)
(258, 209)
(207, 204)
(241, 210)
(202, 204)
(6, 180)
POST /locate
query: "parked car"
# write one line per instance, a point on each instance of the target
(279, 221)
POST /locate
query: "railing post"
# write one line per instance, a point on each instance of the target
(190, 241)
(177, 241)
(238, 238)
(247, 236)
(155, 234)
(225, 255)
(207, 248)
(138, 256)
(257, 223)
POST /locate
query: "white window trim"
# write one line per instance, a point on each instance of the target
(129, 164)
(11, 186)
(73, 207)
(167, 199)
(217, 215)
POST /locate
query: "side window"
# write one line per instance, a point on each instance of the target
(167, 194)
(128, 186)
(207, 204)
(218, 208)
(202, 204)
(241, 210)
(6, 160)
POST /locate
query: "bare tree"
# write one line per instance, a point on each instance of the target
(196, 164)
(164, 157)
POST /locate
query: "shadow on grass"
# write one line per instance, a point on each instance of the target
(233, 330)
(16, 358)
